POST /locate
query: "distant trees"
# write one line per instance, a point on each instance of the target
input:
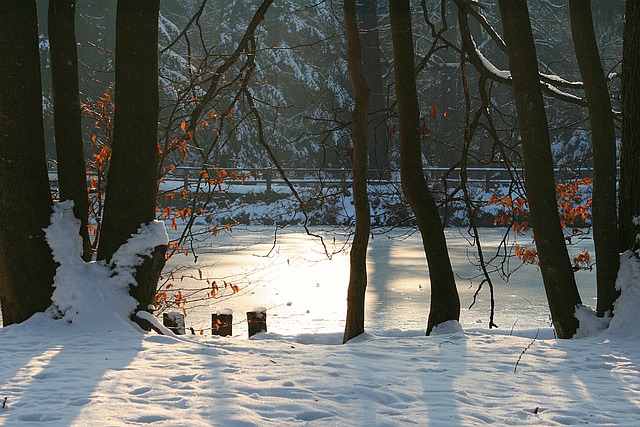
(445, 302)
(378, 140)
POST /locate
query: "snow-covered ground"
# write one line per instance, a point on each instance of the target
(99, 370)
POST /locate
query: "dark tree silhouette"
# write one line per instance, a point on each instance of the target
(25, 285)
(629, 196)
(603, 136)
(358, 255)
(132, 179)
(445, 302)
(66, 113)
(557, 273)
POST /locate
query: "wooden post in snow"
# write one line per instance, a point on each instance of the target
(222, 323)
(174, 321)
(257, 321)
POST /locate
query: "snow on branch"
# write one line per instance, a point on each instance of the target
(550, 83)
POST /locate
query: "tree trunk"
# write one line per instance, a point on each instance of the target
(26, 265)
(377, 127)
(603, 136)
(72, 178)
(358, 255)
(132, 180)
(629, 196)
(557, 273)
(445, 303)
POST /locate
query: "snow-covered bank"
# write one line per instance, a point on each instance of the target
(59, 373)
(53, 376)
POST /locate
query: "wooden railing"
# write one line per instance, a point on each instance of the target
(270, 177)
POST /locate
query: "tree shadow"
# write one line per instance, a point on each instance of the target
(49, 373)
(392, 290)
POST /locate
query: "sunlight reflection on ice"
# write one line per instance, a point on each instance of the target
(305, 291)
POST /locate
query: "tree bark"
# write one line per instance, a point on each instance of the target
(629, 195)
(557, 273)
(26, 264)
(358, 255)
(445, 302)
(132, 180)
(603, 137)
(72, 178)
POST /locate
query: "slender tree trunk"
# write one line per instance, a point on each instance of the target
(358, 255)
(26, 265)
(629, 196)
(132, 179)
(72, 177)
(557, 273)
(377, 130)
(603, 136)
(445, 303)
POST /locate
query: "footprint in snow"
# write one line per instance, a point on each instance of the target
(186, 378)
(139, 391)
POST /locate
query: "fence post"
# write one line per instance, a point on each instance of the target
(257, 321)
(343, 180)
(174, 321)
(269, 178)
(222, 323)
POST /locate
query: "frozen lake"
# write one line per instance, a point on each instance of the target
(305, 291)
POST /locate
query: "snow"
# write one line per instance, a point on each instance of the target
(92, 295)
(492, 69)
(100, 370)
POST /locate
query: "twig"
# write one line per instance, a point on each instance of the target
(515, 368)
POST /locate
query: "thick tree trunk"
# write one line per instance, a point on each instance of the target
(557, 273)
(603, 137)
(445, 303)
(132, 179)
(26, 265)
(358, 255)
(377, 128)
(72, 177)
(629, 196)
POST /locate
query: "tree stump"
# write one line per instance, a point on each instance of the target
(257, 321)
(222, 324)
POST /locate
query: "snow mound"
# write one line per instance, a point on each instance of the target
(590, 323)
(627, 307)
(95, 295)
(448, 327)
